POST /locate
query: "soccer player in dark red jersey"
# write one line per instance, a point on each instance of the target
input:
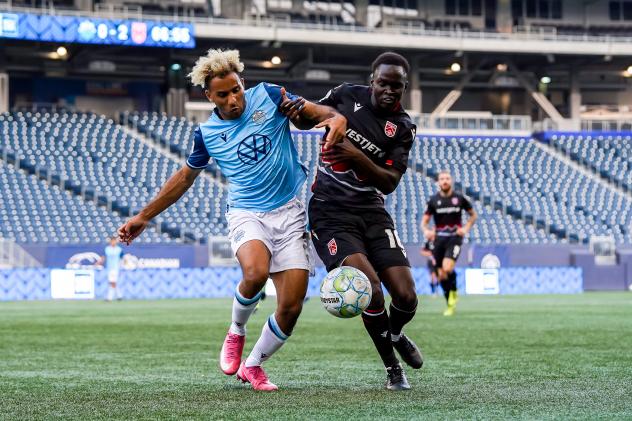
(447, 207)
(349, 223)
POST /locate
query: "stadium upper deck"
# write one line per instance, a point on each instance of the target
(542, 59)
(524, 26)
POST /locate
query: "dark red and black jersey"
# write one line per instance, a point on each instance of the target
(447, 212)
(385, 138)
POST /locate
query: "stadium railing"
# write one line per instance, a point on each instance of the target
(475, 122)
(621, 123)
(609, 125)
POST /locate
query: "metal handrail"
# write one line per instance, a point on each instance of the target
(466, 121)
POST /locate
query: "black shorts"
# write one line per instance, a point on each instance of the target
(447, 248)
(338, 233)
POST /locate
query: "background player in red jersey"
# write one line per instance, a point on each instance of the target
(347, 217)
(447, 207)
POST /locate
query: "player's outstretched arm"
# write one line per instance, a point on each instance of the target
(306, 115)
(170, 192)
(428, 233)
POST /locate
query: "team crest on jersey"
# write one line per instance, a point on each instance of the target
(455, 201)
(390, 129)
(258, 117)
(332, 246)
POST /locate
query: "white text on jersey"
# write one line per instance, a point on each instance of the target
(364, 143)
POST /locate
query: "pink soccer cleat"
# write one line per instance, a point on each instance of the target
(256, 377)
(230, 355)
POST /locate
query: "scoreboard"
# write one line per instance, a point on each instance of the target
(88, 30)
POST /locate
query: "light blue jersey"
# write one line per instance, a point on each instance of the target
(113, 257)
(255, 152)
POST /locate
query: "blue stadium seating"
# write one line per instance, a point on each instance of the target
(522, 193)
(607, 153)
(532, 185)
(96, 155)
(172, 132)
(33, 211)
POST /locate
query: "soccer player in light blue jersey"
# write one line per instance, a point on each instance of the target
(112, 258)
(248, 136)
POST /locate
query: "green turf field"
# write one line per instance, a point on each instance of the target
(536, 357)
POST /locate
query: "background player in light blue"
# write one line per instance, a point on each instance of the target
(248, 135)
(112, 259)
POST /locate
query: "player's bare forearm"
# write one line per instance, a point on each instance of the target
(305, 114)
(170, 192)
(471, 220)
(385, 179)
(425, 220)
(315, 113)
(326, 117)
(428, 233)
(302, 123)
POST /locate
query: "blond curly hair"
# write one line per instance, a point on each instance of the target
(215, 63)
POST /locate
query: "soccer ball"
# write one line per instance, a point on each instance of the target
(345, 292)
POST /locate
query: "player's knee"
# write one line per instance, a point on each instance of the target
(377, 299)
(406, 301)
(255, 274)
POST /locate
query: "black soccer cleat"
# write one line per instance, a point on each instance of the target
(396, 378)
(409, 352)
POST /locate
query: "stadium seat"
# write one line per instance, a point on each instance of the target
(522, 193)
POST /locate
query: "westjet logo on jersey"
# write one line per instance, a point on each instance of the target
(364, 143)
(356, 107)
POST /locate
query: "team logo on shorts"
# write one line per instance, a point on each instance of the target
(239, 235)
(332, 246)
(455, 201)
(258, 117)
(390, 129)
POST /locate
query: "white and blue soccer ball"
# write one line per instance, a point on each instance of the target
(345, 292)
